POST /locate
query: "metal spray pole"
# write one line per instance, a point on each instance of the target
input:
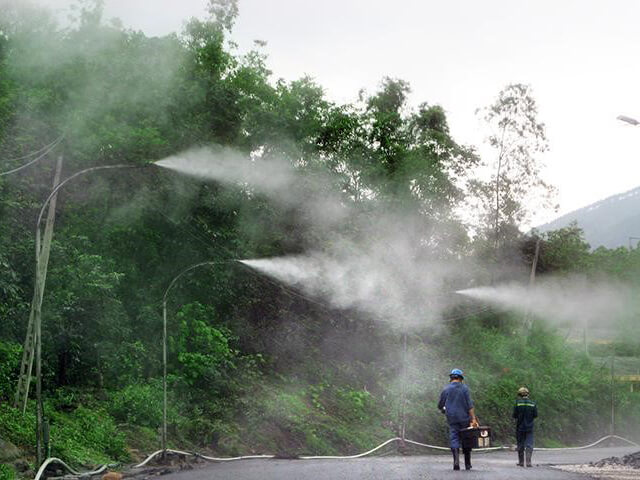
(613, 411)
(164, 374)
(38, 295)
(404, 387)
(164, 343)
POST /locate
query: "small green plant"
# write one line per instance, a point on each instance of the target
(9, 366)
(315, 394)
(356, 405)
(86, 436)
(138, 404)
(6, 472)
(16, 427)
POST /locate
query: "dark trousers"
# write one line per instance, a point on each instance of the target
(454, 434)
(524, 439)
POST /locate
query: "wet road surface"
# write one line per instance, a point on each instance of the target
(494, 466)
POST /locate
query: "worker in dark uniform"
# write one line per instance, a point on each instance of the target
(524, 412)
(455, 402)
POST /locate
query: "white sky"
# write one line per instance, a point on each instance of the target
(582, 58)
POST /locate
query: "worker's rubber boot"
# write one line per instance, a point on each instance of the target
(520, 457)
(529, 452)
(456, 458)
(467, 458)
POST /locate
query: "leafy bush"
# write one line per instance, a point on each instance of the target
(138, 404)
(6, 472)
(86, 436)
(9, 367)
(16, 427)
(356, 405)
(203, 351)
(127, 363)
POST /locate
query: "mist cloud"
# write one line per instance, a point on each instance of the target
(566, 301)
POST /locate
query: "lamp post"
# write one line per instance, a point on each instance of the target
(164, 341)
(39, 293)
(629, 120)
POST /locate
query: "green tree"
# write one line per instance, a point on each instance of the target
(518, 138)
(223, 12)
(564, 251)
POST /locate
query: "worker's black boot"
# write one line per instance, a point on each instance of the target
(467, 458)
(520, 457)
(456, 458)
(529, 452)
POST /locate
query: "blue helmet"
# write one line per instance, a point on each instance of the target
(456, 372)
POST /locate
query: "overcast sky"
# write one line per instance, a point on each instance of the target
(580, 56)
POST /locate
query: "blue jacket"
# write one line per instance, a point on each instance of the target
(524, 411)
(455, 402)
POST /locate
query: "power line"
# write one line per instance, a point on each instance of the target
(40, 154)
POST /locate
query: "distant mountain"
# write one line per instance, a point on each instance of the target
(608, 223)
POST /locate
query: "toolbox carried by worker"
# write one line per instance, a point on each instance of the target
(475, 437)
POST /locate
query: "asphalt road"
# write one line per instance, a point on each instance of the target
(494, 466)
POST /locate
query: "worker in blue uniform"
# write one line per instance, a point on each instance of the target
(524, 412)
(455, 402)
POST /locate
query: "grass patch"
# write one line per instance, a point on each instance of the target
(7, 472)
(85, 436)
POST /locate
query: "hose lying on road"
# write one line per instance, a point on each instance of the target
(213, 459)
(369, 452)
(591, 444)
(434, 447)
(48, 461)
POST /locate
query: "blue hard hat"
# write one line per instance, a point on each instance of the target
(456, 372)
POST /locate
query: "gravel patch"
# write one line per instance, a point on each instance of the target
(609, 472)
(632, 460)
(611, 468)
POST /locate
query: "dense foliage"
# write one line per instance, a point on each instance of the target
(253, 364)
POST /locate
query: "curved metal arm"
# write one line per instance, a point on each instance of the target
(188, 269)
(77, 174)
(62, 184)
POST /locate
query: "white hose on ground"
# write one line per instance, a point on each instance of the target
(435, 447)
(335, 457)
(316, 457)
(592, 444)
(369, 452)
(213, 459)
(50, 460)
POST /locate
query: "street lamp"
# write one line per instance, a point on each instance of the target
(629, 120)
(39, 294)
(164, 341)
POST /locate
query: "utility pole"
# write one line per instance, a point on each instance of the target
(41, 271)
(585, 337)
(41, 428)
(613, 411)
(26, 367)
(403, 406)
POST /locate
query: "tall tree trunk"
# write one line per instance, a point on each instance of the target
(497, 218)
